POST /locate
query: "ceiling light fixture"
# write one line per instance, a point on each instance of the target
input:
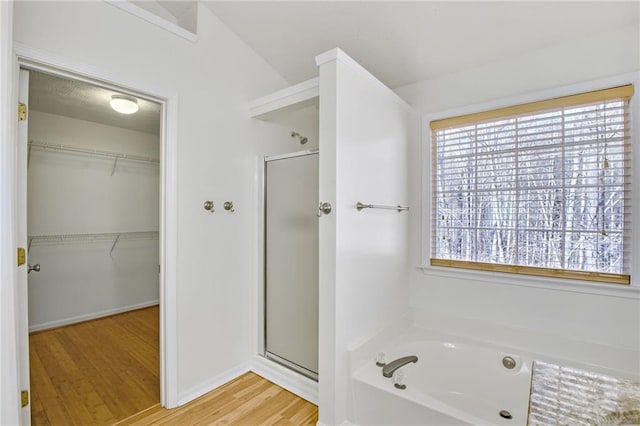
(124, 104)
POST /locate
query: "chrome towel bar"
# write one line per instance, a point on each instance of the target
(361, 206)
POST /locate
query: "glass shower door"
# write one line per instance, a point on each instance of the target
(291, 261)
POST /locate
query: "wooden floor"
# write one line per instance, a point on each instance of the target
(106, 372)
(248, 400)
(96, 372)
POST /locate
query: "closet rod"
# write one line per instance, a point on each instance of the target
(89, 151)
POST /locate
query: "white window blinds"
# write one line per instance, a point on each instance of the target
(541, 188)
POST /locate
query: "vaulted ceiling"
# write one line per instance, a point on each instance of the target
(402, 42)
(399, 42)
(405, 42)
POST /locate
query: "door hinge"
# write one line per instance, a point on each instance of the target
(22, 258)
(22, 112)
(24, 398)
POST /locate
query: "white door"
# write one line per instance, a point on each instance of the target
(23, 312)
(291, 276)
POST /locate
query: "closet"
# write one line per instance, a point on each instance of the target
(92, 202)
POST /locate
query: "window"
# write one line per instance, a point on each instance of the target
(541, 188)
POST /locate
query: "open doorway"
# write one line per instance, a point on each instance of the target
(92, 186)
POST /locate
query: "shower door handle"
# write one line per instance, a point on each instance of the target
(324, 208)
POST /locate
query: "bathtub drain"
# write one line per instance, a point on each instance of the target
(505, 415)
(508, 362)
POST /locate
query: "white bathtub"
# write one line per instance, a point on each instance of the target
(455, 381)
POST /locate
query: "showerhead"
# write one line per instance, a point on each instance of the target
(302, 139)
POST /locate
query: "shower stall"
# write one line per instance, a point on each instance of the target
(291, 261)
(314, 314)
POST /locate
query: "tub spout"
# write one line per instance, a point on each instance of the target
(387, 370)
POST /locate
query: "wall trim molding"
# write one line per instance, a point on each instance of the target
(91, 316)
(213, 383)
(553, 284)
(295, 383)
(152, 18)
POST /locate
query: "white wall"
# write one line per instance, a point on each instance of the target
(72, 193)
(304, 121)
(580, 60)
(75, 193)
(599, 319)
(214, 78)
(58, 129)
(273, 137)
(363, 254)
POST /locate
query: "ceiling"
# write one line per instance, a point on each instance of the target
(405, 42)
(84, 101)
(399, 42)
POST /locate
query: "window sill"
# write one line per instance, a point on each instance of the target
(556, 284)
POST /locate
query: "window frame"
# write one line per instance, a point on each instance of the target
(568, 284)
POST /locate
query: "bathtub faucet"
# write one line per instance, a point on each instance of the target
(387, 370)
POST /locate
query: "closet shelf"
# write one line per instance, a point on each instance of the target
(91, 238)
(88, 151)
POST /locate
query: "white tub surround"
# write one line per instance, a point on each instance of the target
(454, 381)
(363, 350)
(461, 376)
(621, 360)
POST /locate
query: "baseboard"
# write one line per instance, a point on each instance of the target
(91, 316)
(213, 383)
(293, 382)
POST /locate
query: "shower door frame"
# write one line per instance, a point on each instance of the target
(263, 339)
